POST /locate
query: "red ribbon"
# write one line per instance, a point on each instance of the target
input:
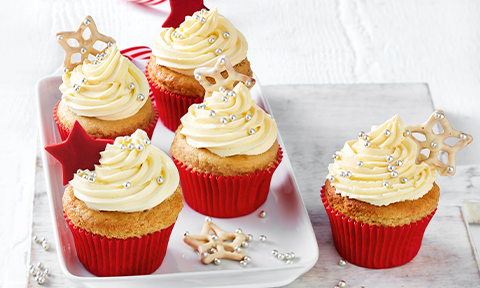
(147, 2)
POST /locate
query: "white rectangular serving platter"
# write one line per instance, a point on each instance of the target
(287, 225)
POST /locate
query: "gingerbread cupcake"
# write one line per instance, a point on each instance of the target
(380, 193)
(122, 213)
(198, 42)
(226, 148)
(107, 94)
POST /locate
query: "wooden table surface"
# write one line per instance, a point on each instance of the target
(290, 42)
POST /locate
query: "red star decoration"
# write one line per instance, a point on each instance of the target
(78, 151)
(180, 9)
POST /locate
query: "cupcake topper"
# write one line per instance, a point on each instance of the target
(179, 9)
(85, 46)
(436, 142)
(78, 151)
(221, 84)
(221, 245)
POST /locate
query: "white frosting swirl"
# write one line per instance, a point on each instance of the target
(367, 181)
(106, 94)
(232, 137)
(118, 165)
(193, 48)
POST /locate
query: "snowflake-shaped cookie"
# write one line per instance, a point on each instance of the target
(85, 46)
(436, 142)
(221, 84)
(219, 245)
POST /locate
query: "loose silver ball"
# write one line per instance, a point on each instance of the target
(218, 51)
(86, 22)
(248, 117)
(359, 163)
(204, 254)
(224, 98)
(131, 86)
(79, 171)
(342, 262)
(217, 261)
(331, 178)
(38, 273)
(389, 158)
(342, 284)
(439, 116)
(404, 179)
(127, 184)
(147, 141)
(76, 87)
(275, 253)
(239, 230)
(212, 113)
(361, 134)
(59, 38)
(47, 272)
(249, 237)
(288, 256)
(130, 146)
(160, 180)
(263, 214)
(95, 62)
(399, 163)
(43, 239)
(385, 184)
(281, 256)
(84, 80)
(243, 263)
(407, 133)
(463, 136)
(245, 244)
(110, 44)
(83, 50)
(202, 106)
(232, 94)
(65, 69)
(45, 244)
(289, 262)
(247, 259)
(203, 20)
(141, 97)
(40, 280)
(32, 270)
(263, 238)
(212, 250)
(35, 237)
(366, 137)
(348, 174)
(251, 131)
(450, 169)
(391, 167)
(292, 255)
(394, 174)
(211, 40)
(126, 138)
(179, 36)
(40, 265)
(123, 147)
(335, 156)
(248, 83)
(434, 145)
(93, 174)
(237, 249)
(196, 18)
(342, 174)
(214, 237)
(367, 143)
(208, 219)
(203, 10)
(198, 77)
(91, 179)
(387, 132)
(140, 147)
(221, 88)
(233, 117)
(85, 176)
(226, 35)
(186, 234)
(175, 32)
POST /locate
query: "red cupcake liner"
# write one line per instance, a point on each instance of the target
(65, 131)
(172, 106)
(120, 257)
(372, 246)
(225, 197)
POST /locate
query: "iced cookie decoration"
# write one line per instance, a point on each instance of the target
(384, 184)
(104, 91)
(218, 245)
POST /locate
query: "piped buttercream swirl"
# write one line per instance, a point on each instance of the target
(369, 173)
(103, 90)
(227, 125)
(131, 160)
(196, 42)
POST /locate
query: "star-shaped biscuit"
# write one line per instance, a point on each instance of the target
(179, 9)
(85, 46)
(221, 84)
(436, 142)
(220, 245)
(78, 151)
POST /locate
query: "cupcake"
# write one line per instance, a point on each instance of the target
(107, 95)
(197, 42)
(122, 213)
(226, 152)
(381, 194)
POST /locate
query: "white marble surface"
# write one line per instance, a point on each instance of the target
(291, 42)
